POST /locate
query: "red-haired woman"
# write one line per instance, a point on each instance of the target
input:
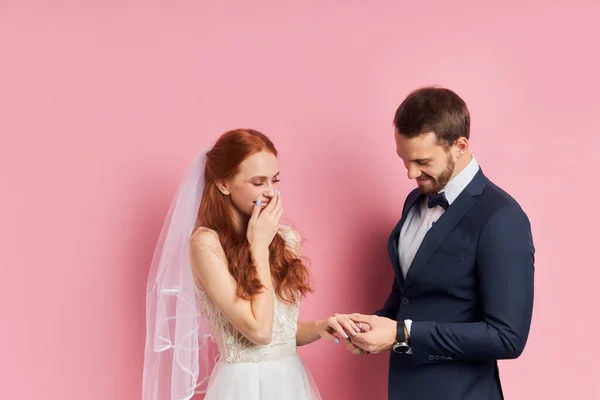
(248, 278)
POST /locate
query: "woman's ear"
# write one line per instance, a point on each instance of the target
(223, 188)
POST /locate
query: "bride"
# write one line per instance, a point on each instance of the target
(225, 285)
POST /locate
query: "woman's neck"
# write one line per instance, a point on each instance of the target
(240, 221)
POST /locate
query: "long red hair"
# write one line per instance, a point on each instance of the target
(290, 275)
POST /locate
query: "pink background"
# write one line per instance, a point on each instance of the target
(103, 105)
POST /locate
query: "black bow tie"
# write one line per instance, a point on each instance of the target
(438, 199)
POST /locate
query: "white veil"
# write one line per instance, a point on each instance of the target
(180, 352)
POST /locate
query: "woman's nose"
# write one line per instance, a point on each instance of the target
(270, 191)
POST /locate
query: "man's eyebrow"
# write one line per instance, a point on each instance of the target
(417, 159)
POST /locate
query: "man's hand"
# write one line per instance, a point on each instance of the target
(379, 338)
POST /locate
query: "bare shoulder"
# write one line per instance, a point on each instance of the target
(205, 239)
(209, 263)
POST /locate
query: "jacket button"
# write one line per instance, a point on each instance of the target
(430, 358)
(443, 358)
(437, 357)
(404, 301)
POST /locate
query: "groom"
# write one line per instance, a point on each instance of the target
(463, 260)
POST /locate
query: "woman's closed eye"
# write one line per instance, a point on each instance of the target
(262, 183)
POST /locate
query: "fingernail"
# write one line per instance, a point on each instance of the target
(357, 330)
(257, 202)
(337, 341)
(277, 190)
(346, 336)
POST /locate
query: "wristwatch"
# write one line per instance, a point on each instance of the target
(401, 345)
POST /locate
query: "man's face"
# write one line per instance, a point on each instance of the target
(431, 164)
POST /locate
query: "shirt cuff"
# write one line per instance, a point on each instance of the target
(408, 323)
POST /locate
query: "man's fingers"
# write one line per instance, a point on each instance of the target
(359, 351)
(362, 340)
(353, 349)
(349, 345)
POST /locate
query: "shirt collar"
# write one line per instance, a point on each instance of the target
(455, 187)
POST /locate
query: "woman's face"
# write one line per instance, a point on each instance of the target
(257, 179)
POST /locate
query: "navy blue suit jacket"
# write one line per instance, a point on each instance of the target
(469, 292)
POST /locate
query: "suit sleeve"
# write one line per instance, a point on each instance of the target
(505, 267)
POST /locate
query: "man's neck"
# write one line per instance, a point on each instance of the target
(462, 163)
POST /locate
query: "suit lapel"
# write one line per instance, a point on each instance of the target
(412, 198)
(438, 232)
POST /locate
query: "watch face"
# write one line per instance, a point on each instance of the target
(400, 347)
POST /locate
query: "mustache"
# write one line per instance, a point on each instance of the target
(425, 176)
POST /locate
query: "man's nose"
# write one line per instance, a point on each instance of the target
(413, 172)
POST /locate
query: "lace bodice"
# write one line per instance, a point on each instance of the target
(235, 348)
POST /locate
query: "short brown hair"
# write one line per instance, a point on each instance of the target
(433, 109)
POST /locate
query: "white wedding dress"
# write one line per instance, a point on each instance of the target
(247, 371)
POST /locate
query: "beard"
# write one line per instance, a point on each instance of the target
(435, 184)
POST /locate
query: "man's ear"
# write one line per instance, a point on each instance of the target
(462, 146)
